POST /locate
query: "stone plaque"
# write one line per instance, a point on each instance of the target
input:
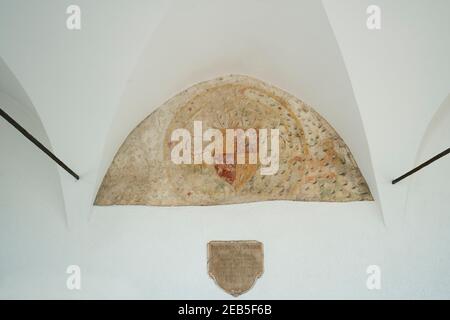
(235, 265)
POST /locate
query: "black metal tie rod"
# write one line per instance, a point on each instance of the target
(37, 143)
(421, 166)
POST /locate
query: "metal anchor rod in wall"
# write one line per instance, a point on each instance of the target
(37, 143)
(421, 166)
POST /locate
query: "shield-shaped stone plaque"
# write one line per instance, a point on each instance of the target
(235, 265)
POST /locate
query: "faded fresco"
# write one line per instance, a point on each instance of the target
(314, 162)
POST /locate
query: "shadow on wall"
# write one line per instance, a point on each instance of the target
(26, 174)
(432, 181)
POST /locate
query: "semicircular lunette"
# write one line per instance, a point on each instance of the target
(161, 166)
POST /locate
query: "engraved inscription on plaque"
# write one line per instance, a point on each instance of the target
(235, 265)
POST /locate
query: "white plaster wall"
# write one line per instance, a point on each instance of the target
(427, 219)
(75, 79)
(32, 215)
(400, 75)
(90, 88)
